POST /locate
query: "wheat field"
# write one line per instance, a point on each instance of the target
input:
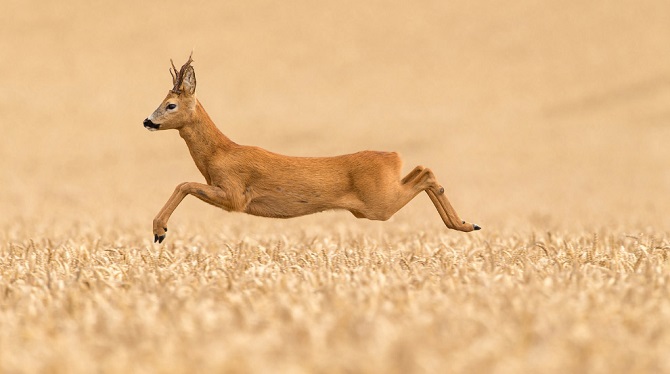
(547, 123)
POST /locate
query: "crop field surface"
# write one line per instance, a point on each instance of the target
(547, 123)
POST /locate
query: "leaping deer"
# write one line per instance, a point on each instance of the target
(255, 181)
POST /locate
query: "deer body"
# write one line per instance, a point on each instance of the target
(252, 180)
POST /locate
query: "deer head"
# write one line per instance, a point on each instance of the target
(178, 107)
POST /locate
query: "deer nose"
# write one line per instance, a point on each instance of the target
(148, 124)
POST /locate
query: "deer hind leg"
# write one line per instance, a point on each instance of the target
(209, 194)
(442, 204)
(392, 194)
(418, 180)
(412, 175)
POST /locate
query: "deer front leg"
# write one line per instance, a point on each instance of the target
(210, 194)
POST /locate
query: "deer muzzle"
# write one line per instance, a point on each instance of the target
(149, 125)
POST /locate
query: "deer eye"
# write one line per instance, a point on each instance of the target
(171, 106)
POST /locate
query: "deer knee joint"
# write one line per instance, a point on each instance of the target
(186, 188)
(180, 187)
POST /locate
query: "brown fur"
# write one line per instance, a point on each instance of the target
(258, 182)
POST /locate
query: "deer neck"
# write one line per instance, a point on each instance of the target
(204, 140)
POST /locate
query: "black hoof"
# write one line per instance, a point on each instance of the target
(477, 227)
(160, 239)
(155, 238)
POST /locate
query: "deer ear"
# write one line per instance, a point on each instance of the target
(188, 83)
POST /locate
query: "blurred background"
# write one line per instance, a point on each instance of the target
(551, 115)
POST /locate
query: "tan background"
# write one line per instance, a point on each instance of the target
(543, 114)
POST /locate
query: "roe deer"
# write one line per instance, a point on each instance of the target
(255, 181)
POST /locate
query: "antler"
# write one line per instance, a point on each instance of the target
(178, 76)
